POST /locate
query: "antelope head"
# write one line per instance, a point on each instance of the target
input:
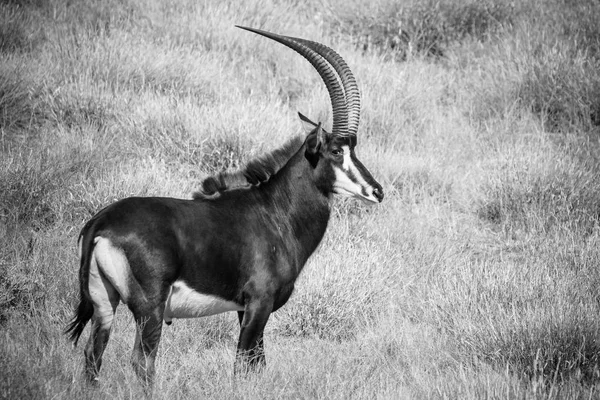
(332, 153)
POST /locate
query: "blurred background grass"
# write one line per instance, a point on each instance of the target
(477, 277)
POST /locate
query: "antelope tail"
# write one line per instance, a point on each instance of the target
(85, 309)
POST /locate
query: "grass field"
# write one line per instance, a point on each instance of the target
(478, 275)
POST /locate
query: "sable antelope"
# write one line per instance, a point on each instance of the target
(238, 245)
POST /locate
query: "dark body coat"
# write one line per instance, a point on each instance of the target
(220, 247)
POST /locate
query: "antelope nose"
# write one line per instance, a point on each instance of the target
(378, 193)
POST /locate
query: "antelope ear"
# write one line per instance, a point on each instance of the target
(316, 133)
(314, 141)
(307, 124)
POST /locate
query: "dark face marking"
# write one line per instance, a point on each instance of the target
(351, 178)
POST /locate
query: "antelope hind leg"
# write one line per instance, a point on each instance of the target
(105, 299)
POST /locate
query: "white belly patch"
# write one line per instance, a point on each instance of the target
(185, 302)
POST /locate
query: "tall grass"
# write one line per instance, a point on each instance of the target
(476, 277)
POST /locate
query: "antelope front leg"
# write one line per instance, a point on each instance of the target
(250, 351)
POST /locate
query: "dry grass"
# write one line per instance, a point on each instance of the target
(476, 277)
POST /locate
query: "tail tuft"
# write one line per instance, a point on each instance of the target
(85, 310)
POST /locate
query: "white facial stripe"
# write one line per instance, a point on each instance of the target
(347, 160)
(347, 186)
(360, 178)
(185, 302)
(344, 185)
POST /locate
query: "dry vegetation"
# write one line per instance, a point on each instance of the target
(478, 275)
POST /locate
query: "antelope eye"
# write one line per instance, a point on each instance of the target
(337, 152)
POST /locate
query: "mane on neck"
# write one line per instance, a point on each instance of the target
(256, 171)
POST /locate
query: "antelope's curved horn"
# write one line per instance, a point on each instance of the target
(325, 70)
(351, 90)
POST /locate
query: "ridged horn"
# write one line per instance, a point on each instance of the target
(325, 70)
(348, 81)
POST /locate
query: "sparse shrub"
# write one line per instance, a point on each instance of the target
(19, 102)
(574, 21)
(35, 190)
(427, 28)
(400, 30)
(478, 19)
(416, 185)
(334, 302)
(22, 292)
(323, 313)
(75, 110)
(170, 79)
(19, 30)
(534, 313)
(540, 202)
(222, 153)
(547, 66)
(96, 17)
(545, 325)
(25, 197)
(15, 380)
(550, 349)
(563, 89)
(219, 330)
(560, 63)
(30, 358)
(19, 293)
(170, 135)
(26, 3)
